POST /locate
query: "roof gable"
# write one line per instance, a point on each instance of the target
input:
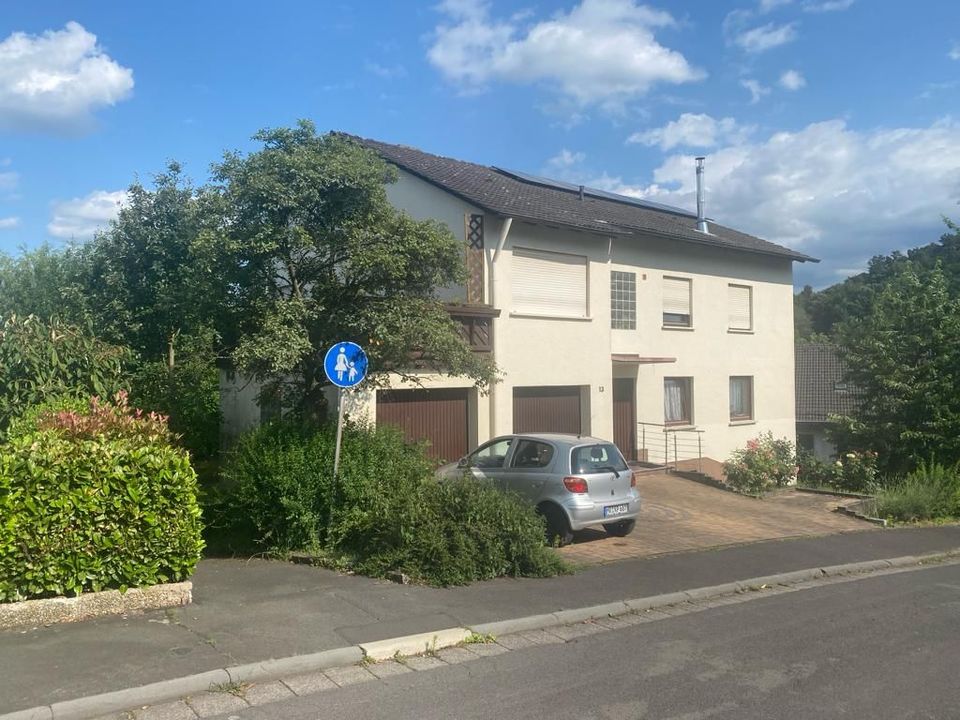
(821, 388)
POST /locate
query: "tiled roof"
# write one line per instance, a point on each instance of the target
(511, 195)
(821, 390)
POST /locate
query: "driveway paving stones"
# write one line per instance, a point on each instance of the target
(679, 515)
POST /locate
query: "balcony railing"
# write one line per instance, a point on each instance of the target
(661, 444)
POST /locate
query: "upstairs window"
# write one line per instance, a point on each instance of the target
(623, 300)
(678, 401)
(740, 305)
(741, 398)
(677, 302)
(549, 283)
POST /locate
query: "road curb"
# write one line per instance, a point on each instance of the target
(274, 669)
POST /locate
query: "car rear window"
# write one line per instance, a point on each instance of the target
(601, 457)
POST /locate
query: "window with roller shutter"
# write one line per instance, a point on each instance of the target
(549, 283)
(677, 302)
(740, 304)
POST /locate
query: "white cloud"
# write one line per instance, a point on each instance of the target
(792, 80)
(8, 223)
(766, 37)
(9, 180)
(387, 72)
(691, 130)
(770, 5)
(601, 51)
(757, 91)
(55, 81)
(80, 218)
(566, 159)
(827, 6)
(954, 53)
(836, 193)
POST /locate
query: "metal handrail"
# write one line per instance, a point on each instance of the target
(667, 431)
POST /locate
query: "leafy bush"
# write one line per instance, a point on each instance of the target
(854, 471)
(932, 491)
(189, 395)
(765, 463)
(83, 510)
(388, 514)
(40, 361)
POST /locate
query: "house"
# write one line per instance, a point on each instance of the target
(822, 390)
(608, 315)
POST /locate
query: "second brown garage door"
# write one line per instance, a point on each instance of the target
(547, 409)
(437, 416)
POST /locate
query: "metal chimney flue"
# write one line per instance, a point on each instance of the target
(701, 204)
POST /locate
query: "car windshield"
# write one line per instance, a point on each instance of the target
(602, 457)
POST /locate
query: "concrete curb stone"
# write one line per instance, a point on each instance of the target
(342, 661)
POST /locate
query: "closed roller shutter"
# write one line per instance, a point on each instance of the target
(546, 409)
(437, 416)
(547, 283)
(676, 301)
(741, 307)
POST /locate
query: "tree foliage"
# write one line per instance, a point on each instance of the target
(318, 254)
(903, 355)
(41, 360)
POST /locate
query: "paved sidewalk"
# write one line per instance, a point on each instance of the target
(679, 515)
(246, 611)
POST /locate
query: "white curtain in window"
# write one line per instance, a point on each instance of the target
(740, 397)
(675, 400)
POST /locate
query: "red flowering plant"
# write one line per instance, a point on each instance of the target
(106, 419)
(765, 463)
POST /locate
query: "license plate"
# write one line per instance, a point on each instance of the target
(612, 510)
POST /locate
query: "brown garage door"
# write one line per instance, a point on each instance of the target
(437, 416)
(546, 409)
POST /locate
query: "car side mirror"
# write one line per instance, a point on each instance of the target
(462, 462)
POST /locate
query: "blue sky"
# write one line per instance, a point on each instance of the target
(831, 126)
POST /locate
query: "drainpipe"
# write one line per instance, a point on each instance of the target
(495, 325)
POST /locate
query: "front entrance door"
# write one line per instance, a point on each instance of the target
(625, 416)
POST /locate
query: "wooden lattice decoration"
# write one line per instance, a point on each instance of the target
(474, 258)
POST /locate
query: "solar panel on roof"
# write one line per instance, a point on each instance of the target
(594, 192)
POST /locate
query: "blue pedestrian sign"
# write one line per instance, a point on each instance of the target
(345, 364)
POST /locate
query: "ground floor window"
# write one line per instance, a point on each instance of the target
(741, 398)
(678, 401)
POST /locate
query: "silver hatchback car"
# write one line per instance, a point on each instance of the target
(574, 482)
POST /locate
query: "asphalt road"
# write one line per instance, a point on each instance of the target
(882, 647)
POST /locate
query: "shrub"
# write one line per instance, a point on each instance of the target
(189, 395)
(40, 361)
(389, 514)
(856, 471)
(814, 472)
(765, 463)
(932, 491)
(83, 510)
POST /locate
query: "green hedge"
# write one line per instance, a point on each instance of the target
(91, 514)
(388, 514)
(931, 492)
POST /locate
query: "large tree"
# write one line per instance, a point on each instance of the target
(903, 355)
(320, 255)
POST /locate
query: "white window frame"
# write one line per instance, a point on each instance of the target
(750, 416)
(734, 318)
(526, 301)
(687, 384)
(666, 303)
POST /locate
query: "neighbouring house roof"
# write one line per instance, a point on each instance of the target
(820, 385)
(540, 200)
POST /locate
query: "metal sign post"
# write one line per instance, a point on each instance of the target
(345, 365)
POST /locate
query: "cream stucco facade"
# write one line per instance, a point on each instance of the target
(536, 351)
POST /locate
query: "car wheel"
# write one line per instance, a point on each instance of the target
(620, 529)
(558, 527)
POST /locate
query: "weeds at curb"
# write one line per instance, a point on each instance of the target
(237, 689)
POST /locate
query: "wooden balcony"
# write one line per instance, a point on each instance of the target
(476, 324)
